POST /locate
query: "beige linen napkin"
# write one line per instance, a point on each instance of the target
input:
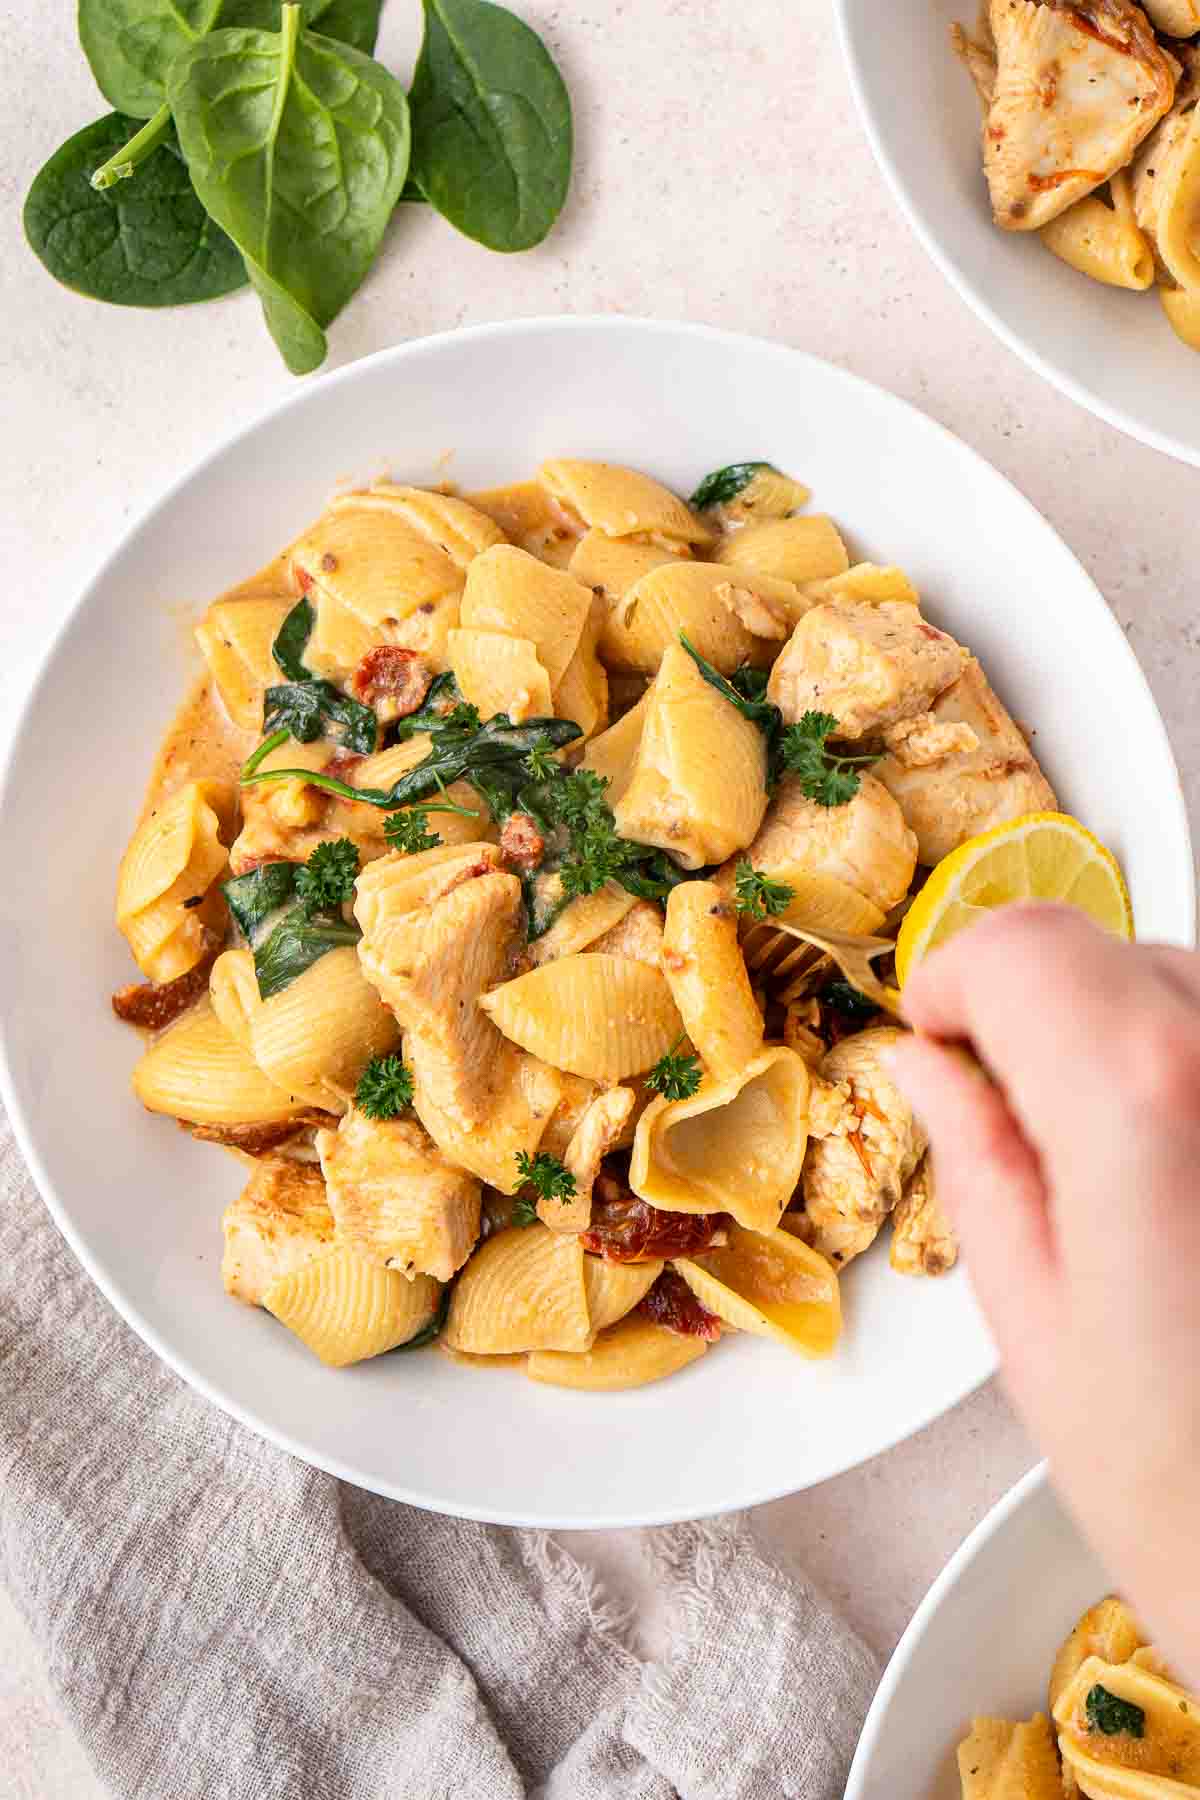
(220, 1622)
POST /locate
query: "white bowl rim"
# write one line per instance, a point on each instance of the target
(975, 296)
(988, 1527)
(127, 1309)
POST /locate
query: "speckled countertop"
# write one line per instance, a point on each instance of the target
(722, 176)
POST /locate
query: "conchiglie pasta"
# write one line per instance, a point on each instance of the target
(293, 805)
(233, 990)
(706, 973)
(1109, 1630)
(630, 1354)
(611, 567)
(512, 592)
(345, 1309)
(582, 694)
(171, 862)
(601, 1016)
(522, 1290)
(698, 787)
(1099, 242)
(532, 519)
(394, 897)
(771, 1284)
(1182, 307)
(1168, 1751)
(582, 921)
(622, 502)
(1178, 211)
(870, 582)
(689, 597)
(235, 637)
(198, 1071)
(456, 527)
(339, 639)
(735, 1146)
(614, 1289)
(807, 548)
(613, 755)
(370, 560)
(316, 1035)
(500, 674)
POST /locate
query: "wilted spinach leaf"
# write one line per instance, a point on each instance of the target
(307, 708)
(286, 935)
(298, 146)
(492, 133)
(291, 641)
(145, 242)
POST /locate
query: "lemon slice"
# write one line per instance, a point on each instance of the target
(1044, 856)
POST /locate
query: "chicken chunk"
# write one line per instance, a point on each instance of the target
(866, 665)
(923, 1240)
(864, 843)
(1078, 87)
(394, 1197)
(279, 1222)
(856, 1176)
(599, 1130)
(968, 791)
(638, 935)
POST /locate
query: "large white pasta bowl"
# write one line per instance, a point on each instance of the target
(140, 1203)
(1111, 351)
(982, 1641)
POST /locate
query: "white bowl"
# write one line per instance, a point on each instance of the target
(981, 1641)
(140, 1203)
(1111, 351)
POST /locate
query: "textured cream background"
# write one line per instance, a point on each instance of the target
(722, 176)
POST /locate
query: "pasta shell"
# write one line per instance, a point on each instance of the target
(796, 549)
(689, 597)
(581, 922)
(235, 637)
(871, 582)
(339, 638)
(292, 805)
(630, 1354)
(453, 525)
(315, 1037)
(396, 1200)
(532, 519)
(394, 897)
(707, 976)
(771, 1284)
(370, 561)
(735, 1146)
(614, 1289)
(1000, 1757)
(613, 755)
(1182, 307)
(345, 1310)
(510, 591)
(1178, 220)
(698, 788)
(612, 566)
(233, 990)
(1108, 1630)
(197, 1071)
(173, 858)
(522, 1290)
(500, 674)
(279, 1222)
(622, 502)
(603, 1016)
(1168, 1751)
(582, 694)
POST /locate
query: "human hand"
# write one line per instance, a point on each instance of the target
(1074, 1180)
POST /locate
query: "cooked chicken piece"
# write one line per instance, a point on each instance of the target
(480, 1098)
(1155, 177)
(394, 1197)
(866, 665)
(854, 1177)
(598, 1132)
(864, 843)
(968, 791)
(915, 743)
(1078, 88)
(923, 1240)
(979, 57)
(279, 1222)
(763, 616)
(638, 935)
(1174, 18)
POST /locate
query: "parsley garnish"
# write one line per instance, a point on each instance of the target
(524, 1211)
(385, 1088)
(1111, 1716)
(757, 895)
(675, 1077)
(326, 880)
(828, 779)
(540, 763)
(550, 1179)
(407, 831)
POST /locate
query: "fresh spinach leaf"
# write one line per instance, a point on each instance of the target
(285, 933)
(441, 696)
(298, 146)
(144, 242)
(1108, 1714)
(291, 641)
(131, 44)
(724, 485)
(492, 133)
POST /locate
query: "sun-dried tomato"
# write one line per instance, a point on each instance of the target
(152, 1006)
(521, 843)
(672, 1303)
(393, 680)
(625, 1229)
